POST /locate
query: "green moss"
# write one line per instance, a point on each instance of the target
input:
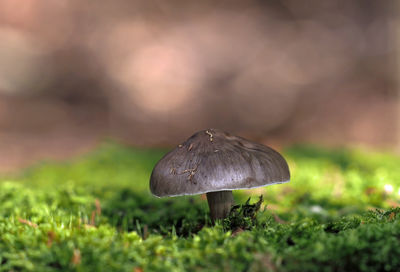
(95, 213)
(243, 216)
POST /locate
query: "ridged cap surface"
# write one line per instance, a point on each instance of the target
(212, 160)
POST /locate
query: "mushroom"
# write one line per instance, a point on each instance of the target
(215, 162)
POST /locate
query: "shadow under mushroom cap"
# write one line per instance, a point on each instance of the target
(212, 160)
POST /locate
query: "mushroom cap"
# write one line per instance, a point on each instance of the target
(212, 160)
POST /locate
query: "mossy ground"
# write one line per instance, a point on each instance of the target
(95, 213)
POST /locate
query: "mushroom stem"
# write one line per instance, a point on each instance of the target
(220, 204)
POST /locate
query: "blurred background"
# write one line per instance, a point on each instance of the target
(151, 73)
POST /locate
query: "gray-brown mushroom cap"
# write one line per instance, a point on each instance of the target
(212, 160)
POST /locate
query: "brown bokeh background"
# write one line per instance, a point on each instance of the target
(150, 73)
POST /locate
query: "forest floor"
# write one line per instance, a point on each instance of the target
(340, 212)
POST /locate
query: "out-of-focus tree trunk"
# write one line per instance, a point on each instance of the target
(395, 32)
